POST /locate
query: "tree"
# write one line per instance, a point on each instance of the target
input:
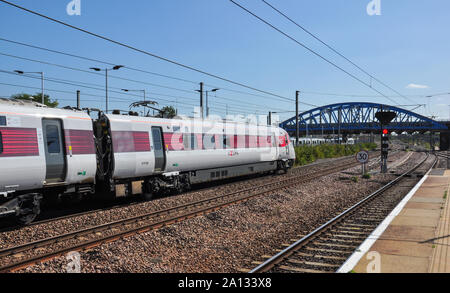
(167, 112)
(37, 98)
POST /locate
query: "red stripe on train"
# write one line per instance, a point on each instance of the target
(19, 142)
(81, 141)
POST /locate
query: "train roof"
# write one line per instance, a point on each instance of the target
(20, 102)
(181, 120)
(27, 107)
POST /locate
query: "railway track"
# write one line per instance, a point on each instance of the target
(326, 248)
(237, 184)
(21, 256)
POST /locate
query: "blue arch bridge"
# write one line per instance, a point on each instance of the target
(359, 117)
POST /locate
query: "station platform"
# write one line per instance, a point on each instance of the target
(415, 238)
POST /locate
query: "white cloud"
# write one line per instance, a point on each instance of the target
(416, 86)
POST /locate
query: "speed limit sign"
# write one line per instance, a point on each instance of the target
(362, 157)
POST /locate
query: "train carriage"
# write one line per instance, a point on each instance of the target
(43, 150)
(158, 152)
(50, 153)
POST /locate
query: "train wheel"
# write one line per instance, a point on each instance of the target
(30, 208)
(27, 219)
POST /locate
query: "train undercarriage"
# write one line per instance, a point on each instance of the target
(26, 207)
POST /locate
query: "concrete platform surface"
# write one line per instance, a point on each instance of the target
(418, 238)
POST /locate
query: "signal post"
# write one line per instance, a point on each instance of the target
(385, 118)
(384, 149)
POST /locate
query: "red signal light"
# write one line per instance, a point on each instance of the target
(385, 131)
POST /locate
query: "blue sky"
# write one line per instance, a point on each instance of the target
(407, 44)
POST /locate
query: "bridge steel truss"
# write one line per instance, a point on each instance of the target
(359, 117)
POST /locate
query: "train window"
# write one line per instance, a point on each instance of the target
(194, 141)
(53, 146)
(157, 142)
(2, 121)
(226, 142)
(1, 143)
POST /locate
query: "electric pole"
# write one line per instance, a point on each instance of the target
(297, 131)
(201, 99)
(78, 100)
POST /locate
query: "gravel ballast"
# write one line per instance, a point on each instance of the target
(233, 237)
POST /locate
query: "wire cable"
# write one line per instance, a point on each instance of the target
(121, 78)
(310, 50)
(144, 71)
(143, 51)
(334, 50)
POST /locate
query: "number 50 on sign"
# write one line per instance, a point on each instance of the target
(362, 157)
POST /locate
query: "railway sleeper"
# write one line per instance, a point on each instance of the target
(309, 264)
(355, 238)
(334, 245)
(318, 256)
(342, 231)
(301, 270)
(357, 225)
(334, 240)
(339, 249)
(336, 251)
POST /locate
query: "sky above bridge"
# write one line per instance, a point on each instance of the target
(407, 47)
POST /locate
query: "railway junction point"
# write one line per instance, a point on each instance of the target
(415, 237)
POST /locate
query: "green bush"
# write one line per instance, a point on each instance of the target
(367, 176)
(308, 154)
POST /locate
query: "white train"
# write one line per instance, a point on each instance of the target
(47, 152)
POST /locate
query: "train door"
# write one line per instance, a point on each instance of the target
(54, 150)
(158, 148)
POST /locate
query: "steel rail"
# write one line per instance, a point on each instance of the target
(282, 255)
(199, 207)
(84, 213)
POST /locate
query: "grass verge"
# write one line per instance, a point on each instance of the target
(308, 154)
